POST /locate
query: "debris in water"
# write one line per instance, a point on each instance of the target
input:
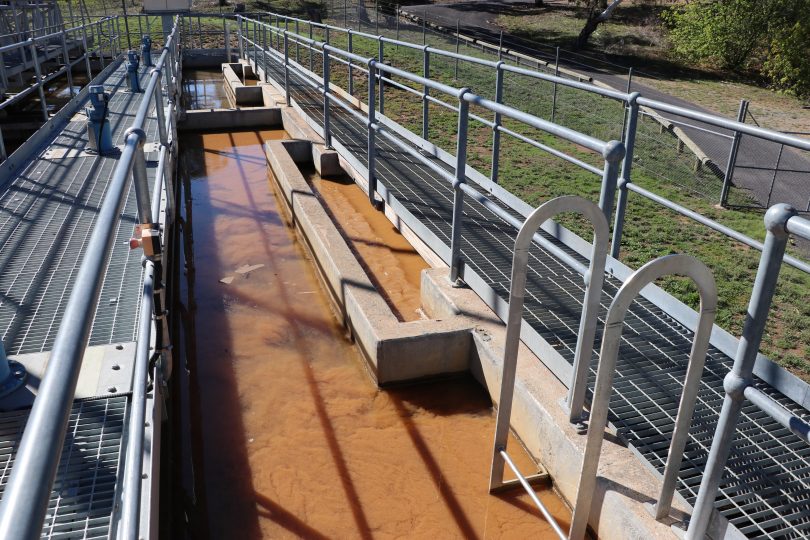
(226, 280)
(247, 268)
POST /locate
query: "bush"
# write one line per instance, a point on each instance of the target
(770, 36)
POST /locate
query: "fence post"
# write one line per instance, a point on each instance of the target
(556, 74)
(327, 135)
(775, 172)
(732, 155)
(627, 165)
(351, 77)
(377, 25)
(297, 43)
(287, 68)
(424, 28)
(458, 194)
(458, 39)
(372, 157)
(39, 84)
(227, 31)
(346, 14)
(740, 376)
(624, 116)
(500, 46)
(310, 46)
(397, 25)
(496, 132)
(425, 93)
(380, 75)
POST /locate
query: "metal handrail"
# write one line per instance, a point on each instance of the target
(781, 221)
(678, 264)
(25, 499)
(585, 339)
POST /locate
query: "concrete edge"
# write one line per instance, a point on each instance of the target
(395, 351)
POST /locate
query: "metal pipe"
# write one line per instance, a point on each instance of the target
(327, 134)
(38, 72)
(458, 194)
(533, 496)
(554, 94)
(381, 60)
(496, 133)
(287, 94)
(425, 93)
(629, 138)
(679, 264)
(372, 151)
(351, 76)
(741, 375)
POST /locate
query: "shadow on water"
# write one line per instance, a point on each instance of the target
(277, 430)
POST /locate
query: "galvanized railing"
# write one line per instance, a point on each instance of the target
(267, 41)
(28, 52)
(26, 496)
(780, 221)
(683, 265)
(587, 329)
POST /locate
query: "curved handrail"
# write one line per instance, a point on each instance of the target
(679, 264)
(588, 321)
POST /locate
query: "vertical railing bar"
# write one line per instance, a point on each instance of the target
(732, 155)
(496, 132)
(458, 195)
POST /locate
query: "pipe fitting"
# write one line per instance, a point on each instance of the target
(462, 92)
(735, 385)
(776, 219)
(138, 133)
(614, 151)
(632, 99)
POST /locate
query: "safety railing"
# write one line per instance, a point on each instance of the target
(683, 265)
(26, 496)
(28, 55)
(780, 221)
(585, 339)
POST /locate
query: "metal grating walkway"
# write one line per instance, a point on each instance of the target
(47, 212)
(83, 496)
(765, 492)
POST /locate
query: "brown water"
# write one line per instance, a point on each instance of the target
(278, 430)
(203, 89)
(388, 258)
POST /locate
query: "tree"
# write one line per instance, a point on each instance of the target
(598, 12)
(769, 36)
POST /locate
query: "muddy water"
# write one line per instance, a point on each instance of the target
(282, 433)
(386, 255)
(203, 89)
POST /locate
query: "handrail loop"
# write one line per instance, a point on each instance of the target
(702, 277)
(588, 321)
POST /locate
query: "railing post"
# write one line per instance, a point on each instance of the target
(327, 135)
(554, 94)
(297, 44)
(397, 34)
(458, 195)
(613, 153)
(500, 46)
(311, 47)
(425, 93)
(287, 68)
(239, 36)
(68, 65)
(372, 151)
(496, 132)
(741, 374)
(380, 74)
(351, 77)
(732, 155)
(627, 165)
(39, 84)
(377, 26)
(624, 115)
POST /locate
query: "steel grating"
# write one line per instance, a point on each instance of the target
(83, 496)
(765, 491)
(47, 213)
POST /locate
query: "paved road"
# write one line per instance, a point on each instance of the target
(756, 158)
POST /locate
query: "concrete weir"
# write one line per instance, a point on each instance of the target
(461, 334)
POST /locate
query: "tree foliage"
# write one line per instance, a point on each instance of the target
(771, 36)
